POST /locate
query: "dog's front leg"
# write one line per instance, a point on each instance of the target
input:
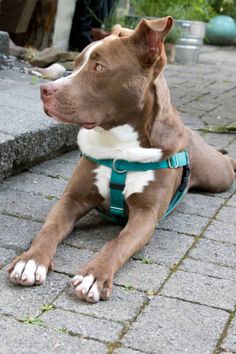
(94, 281)
(78, 199)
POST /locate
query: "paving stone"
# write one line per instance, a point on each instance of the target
(232, 201)
(198, 105)
(227, 214)
(221, 231)
(218, 117)
(122, 306)
(141, 276)
(232, 149)
(166, 248)
(69, 259)
(191, 224)
(215, 252)
(55, 168)
(71, 156)
(198, 204)
(93, 231)
(229, 344)
(219, 141)
(85, 326)
(201, 289)
(25, 204)
(38, 184)
(192, 121)
(17, 233)
(20, 338)
(21, 302)
(6, 256)
(206, 268)
(170, 326)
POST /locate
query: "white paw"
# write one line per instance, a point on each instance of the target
(28, 273)
(86, 288)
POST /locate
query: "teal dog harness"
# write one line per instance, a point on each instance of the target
(118, 209)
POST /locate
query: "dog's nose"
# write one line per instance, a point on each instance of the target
(47, 89)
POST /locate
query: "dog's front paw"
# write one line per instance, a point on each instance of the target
(27, 272)
(92, 288)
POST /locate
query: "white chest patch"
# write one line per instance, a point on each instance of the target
(118, 143)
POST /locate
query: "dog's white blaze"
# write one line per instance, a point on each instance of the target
(88, 51)
(118, 143)
(87, 54)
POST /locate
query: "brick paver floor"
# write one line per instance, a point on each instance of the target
(178, 295)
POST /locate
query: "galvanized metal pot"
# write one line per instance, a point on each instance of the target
(191, 39)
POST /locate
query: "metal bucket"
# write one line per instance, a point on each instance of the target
(189, 44)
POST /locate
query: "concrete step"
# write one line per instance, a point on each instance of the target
(27, 135)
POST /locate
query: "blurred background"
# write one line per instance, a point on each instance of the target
(68, 24)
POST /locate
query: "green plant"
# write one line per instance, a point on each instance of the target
(110, 20)
(145, 260)
(199, 10)
(224, 7)
(47, 307)
(63, 330)
(127, 287)
(33, 320)
(173, 35)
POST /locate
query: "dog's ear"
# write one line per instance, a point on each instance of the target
(164, 127)
(149, 36)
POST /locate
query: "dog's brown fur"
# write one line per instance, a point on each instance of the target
(131, 90)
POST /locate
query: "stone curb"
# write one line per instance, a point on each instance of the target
(23, 151)
(27, 135)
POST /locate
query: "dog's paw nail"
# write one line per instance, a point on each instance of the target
(76, 280)
(84, 291)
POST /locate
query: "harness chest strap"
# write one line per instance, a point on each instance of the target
(119, 173)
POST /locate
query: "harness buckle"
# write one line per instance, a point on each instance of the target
(115, 168)
(173, 162)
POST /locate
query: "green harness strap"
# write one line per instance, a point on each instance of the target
(120, 168)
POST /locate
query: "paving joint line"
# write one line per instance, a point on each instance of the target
(195, 241)
(117, 344)
(223, 335)
(198, 303)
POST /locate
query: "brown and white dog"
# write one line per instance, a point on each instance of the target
(118, 94)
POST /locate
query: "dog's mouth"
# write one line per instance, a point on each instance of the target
(59, 119)
(89, 125)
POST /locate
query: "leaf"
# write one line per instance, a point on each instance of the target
(48, 307)
(33, 320)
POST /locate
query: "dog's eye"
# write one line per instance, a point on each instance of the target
(98, 67)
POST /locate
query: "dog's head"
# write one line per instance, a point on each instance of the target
(111, 77)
